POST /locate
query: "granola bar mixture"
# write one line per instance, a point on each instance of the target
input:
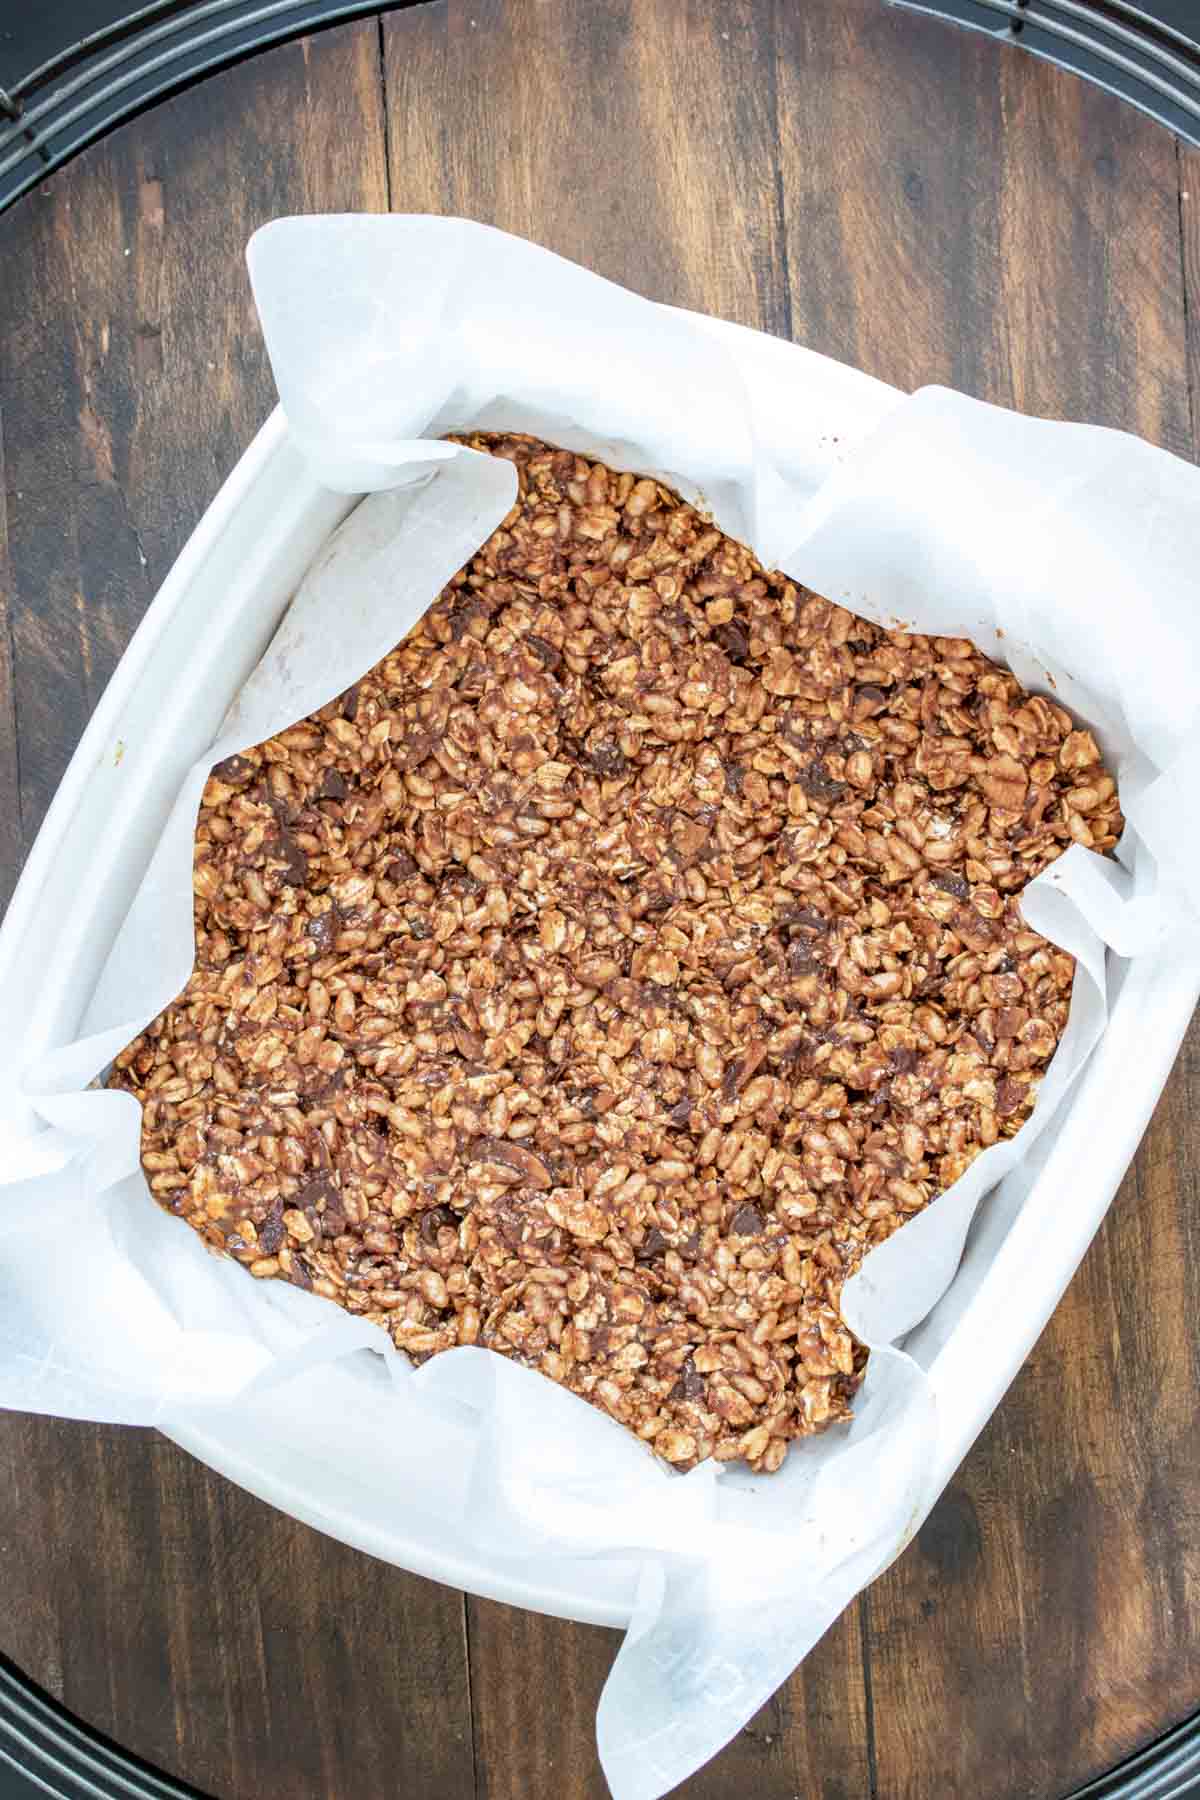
(624, 955)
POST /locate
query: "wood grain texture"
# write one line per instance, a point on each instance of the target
(910, 198)
(205, 1631)
(1189, 227)
(219, 1638)
(11, 840)
(632, 135)
(535, 1685)
(132, 371)
(1036, 263)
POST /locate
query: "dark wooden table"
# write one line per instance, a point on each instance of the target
(912, 199)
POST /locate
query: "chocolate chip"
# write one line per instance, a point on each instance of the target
(433, 1221)
(271, 1232)
(235, 771)
(295, 862)
(1010, 1096)
(412, 751)
(733, 641)
(323, 929)
(680, 1114)
(806, 919)
(350, 703)
(800, 957)
(531, 1169)
(545, 652)
(903, 1060)
(747, 1222)
(299, 1275)
(606, 758)
(333, 786)
(652, 1245)
(950, 883)
(401, 867)
(819, 784)
(868, 700)
(317, 1189)
(690, 1385)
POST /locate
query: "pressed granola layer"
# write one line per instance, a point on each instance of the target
(621, 958)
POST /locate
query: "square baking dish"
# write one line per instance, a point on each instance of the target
(203, 634)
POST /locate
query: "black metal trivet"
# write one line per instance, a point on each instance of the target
(1148, 54)
(69, 71)
(43, 1750)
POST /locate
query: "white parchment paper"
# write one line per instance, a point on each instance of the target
(1068, 552)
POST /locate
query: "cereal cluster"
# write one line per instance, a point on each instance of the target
(629, 951)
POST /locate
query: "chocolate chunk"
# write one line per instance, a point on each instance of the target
(531, 1169)
(690, 1385)
(806, 919)
(323, 929)
(235, 771)
(401, 867)
(747, 1222)
(545, 652)
(1010, 1096)
(462, 619)
(733, 641)
(333, 786)
(950, 883)
(680, 1114)
(295, 862)
(317, 1189)
(819, 784)
(350, 703)
(299, 1275)
(868, 700)
(606, 758)
(271, 1232)
(689, 1249)
(433, 1221)
(413, 750)
(903, 1060)
(800, 956)
(652, 1245)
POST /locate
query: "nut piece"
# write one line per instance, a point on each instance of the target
(606, 971)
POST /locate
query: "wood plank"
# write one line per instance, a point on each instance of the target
(218, 1637)
(536, 1730)
(205, 1631)
(1005, 228)
(631, 135)
(11, 846)
(1189, 225)
(551, 122)
(958, 211)
(132, 371)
